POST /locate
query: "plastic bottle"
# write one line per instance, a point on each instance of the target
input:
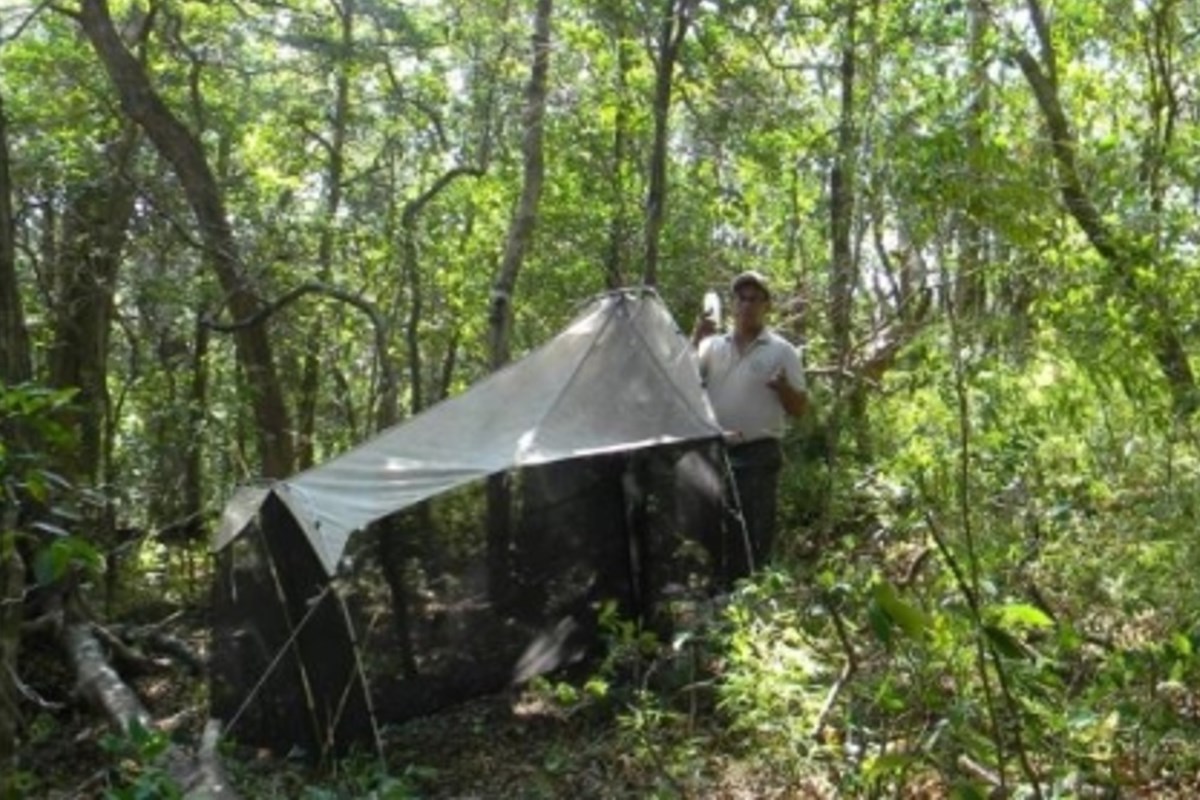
(712, 306)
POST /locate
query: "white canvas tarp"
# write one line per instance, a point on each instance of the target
(621, 376)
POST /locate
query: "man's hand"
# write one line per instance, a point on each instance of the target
(794, 401)
(705, 326)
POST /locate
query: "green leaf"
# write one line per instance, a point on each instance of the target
(965, 790)
(911, 619)
(1018, 615)
(1005, 643)
(889, 764)
(880, 623)
(51, 563)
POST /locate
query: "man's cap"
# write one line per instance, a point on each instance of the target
(751, 278)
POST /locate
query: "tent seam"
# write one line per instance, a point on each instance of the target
(663, 373)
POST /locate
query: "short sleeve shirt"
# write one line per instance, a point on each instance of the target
(737, 382)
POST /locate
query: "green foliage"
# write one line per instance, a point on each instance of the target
(887, 612)
(774, 672)
(366, 778)
(1038, 605)
(42, 500)
(358, 776)
(1059, 556)
(139, 772)
(629, 650)
(1034, 449)
(66, 554)
(31, 413)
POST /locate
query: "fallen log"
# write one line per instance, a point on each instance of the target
(98, 683)
(207, 779)
(199, 775)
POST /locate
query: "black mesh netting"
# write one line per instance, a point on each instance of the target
(446, 601)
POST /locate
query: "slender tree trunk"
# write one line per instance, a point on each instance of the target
(848, 408)
(618, 225)
(1119, 251)
(94, 229)
(843, 263)
(970, 286)
(676, 17)
(193, 470)
(410, 270)
(412, 277)
(181, 148)
(15, 361)
(335, 148)
(1164, 103)
(520, 234)
(12, 587)
(15, 368)
(520, 230)
(841, 205)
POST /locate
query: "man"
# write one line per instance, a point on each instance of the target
(755, 380)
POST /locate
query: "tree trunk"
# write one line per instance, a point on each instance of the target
(181, 148)
(335, 151)
(94, 225)
(520, 233)
(15, 361)
(841, 206)
(843, 280)
(520, 230)
(676, 17)
(201, 776)
(1120, 253)
(12, 589)
(412, 279)
(970, 287)
(193, 473)
(98, 683)
(618, 226)
(15, 368)
(89, 257)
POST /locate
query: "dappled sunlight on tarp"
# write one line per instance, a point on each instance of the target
(606, 495)
(620, 377)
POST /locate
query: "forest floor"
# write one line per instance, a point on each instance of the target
(501, 746)
(517, 747)
(516, 744)
(513, 746)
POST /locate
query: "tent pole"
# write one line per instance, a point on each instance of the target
(633, 487)
(736, 509)
(275, 661)
(292, 644)
(376, 739)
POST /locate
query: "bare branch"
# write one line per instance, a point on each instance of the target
(378, 323)
(31, 694)
(270, 309)
(1040, 25)
(39, 8)
(848, 670)
(414, 206)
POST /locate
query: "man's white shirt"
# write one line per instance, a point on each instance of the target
(737, 382)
